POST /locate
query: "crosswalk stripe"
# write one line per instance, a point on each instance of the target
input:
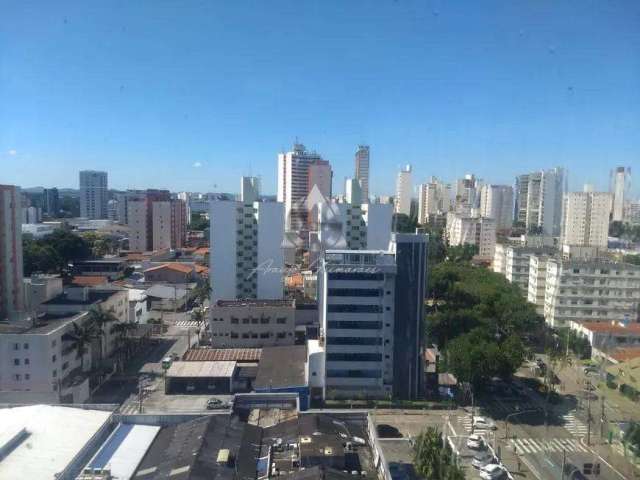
(538, 447)
(522, 446)
(557, 443)
(580, 447)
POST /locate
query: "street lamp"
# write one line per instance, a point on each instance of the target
(506, 419)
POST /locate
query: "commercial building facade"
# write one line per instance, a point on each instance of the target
(252, 323)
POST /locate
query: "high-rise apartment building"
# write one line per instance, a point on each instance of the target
(93, 194)
(586, 219)
(464, 229)
(619, 189)
(297, 179)
(11, 269)
(404, 191)
(467, 195)
(538, 200)
(434, 198)
(496, 201)
(246, 256)
(50, 202)
(362, 170)
(156, 221)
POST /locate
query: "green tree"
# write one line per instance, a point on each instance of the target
(433, 458)
(404, 223)
(199, 222)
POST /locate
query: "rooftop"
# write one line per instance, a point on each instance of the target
(45, 324)
(221, 354)
(282, 367)
(166, 292)
(92, 296)
(89, 280)
(625, 354)
(51, 438)
(612, 328)
(627, 372)
(175, 266)
(201, 369)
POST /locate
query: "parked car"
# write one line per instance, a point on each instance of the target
(216, 404)
(190, 387)
(482, 459)
(482, 423)
(476, 442)
(573, 473)
(493, 471)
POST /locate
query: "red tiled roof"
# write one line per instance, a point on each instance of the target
(625, 354)
(223, 354)
(606, 327)
(88, 280)
(201, 251)
(178, 267)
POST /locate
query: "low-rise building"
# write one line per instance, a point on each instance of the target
(109, 267)
(604, 337)
(39, 288)
(252, 323)
(172, 272)
(40, 363)
(591, 290)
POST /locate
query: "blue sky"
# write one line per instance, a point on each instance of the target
(189, 95)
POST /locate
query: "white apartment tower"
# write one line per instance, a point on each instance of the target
(11, 269)
(295, 182)
(538, 200)
(362, 170)
(93, 194)
(404, 191)
(586, 219)
(246, 256)
(434, 198)
(496, 201)
(620, 188)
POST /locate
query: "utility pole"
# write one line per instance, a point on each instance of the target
(564, 463)
(602, 416)
(589, 412)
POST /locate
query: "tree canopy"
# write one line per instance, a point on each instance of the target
(52, 253)
(433, 457)
(479, 319)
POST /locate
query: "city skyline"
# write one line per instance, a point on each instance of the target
(494, 90)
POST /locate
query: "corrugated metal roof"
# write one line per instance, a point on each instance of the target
(201, 369)
(223, 354)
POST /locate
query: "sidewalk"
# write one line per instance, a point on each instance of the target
(614, 456)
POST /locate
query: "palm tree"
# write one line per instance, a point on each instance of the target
(202, 292)
(101, 318)
(81, 338)
(198, 315)
(122, 330)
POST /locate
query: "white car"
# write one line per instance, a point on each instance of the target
(482, 459)
(493, 471)
(482, 423)
(476, 442)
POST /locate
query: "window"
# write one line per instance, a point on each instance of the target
(354, 309)
(26, 346)
(254, 320)
(54, 358)
(234, 320)
(264, 335)
(354, 357)
(27, 376)
(65, 365)
(26, 361)
(354, 292)
(234, 335)
(281, 320)
(54, 374)
(245, 320)
(281, 335)
(245, 335)
(16, 346)
(17, 377)
(16, 361)
(264, 320)
(355, 325)
(354, 341)
(355, 276)
(354, 373)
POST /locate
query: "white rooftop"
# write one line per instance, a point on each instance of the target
(202, 369)
(53, 436)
